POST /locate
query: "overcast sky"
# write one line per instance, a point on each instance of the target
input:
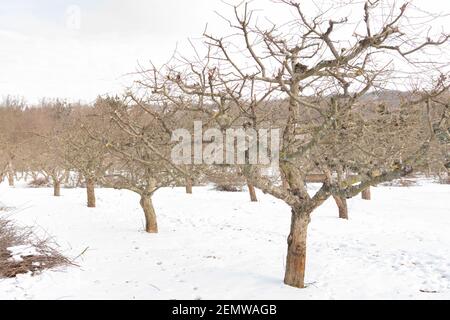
(77, 49)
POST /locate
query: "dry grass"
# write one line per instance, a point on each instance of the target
(11, 236)
(228, 188)
(404, 182)
(39, 183)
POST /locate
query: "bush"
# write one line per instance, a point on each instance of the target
(40, 182)
(228, 188)
(21, 252)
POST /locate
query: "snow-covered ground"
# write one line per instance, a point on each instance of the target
(215, 245)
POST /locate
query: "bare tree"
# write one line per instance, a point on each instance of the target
(89, 157)
(47, 145)
(330, 128)
(141, 148)
(12, 134)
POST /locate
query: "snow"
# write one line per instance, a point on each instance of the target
(216, 245)
(19, 252)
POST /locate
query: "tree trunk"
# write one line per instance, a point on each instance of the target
(366, 194)
(151, 225)
(79, 181)
(447, 180)
(296, 255)
(343, 208)
(56, 188)
(188, 186)
(11, 179)
(10, 174)
(252, 191)
(90, 188)
(284, 182)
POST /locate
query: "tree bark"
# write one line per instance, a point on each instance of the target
(447, 180)
(10, 174)
(90, 188)
(252, 192)
(56, 188)
(188, 186)
(11, 179)
(296, 255)
(79, 181)
(342, 206)
(284, 182)
(151, 225)
(366, 194)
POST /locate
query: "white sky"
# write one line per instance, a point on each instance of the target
(78, 49)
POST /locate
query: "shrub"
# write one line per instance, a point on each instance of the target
(40, 182)
(21, 251)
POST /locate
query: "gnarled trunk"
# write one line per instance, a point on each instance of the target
(285, 184)
(151, 225)
(252, 192)
(188, 186)
(56, 188)
(343, 208)
(90, 188)
(296, 255)
(366, 194)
